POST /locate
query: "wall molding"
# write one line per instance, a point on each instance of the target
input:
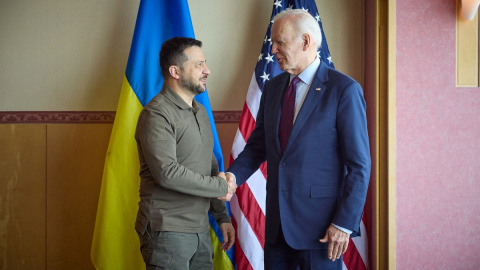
(48, 117)
(74, 117)
(227, 116)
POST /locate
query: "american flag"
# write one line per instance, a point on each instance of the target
(248, 204)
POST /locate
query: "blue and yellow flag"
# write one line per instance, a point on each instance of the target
(115, 243)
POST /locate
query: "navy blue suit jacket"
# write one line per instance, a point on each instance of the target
(323, 175)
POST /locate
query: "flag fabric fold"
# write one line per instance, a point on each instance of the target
(248, 204)
(115, 243)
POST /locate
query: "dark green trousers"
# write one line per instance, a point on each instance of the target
(175, 250)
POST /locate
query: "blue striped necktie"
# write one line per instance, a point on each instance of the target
(288, 111)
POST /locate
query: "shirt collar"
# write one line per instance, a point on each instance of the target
(177, 100)
(308, 74)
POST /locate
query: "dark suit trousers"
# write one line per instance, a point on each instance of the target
(280, 256)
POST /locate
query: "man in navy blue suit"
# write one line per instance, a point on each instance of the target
(315, 142)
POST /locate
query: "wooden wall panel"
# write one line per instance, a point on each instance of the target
(76, 155)
(49, 185)
(22, 196)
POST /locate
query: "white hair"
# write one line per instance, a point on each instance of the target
(303, 23)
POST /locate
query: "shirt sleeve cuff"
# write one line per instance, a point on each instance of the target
(234, 178)
(342, 229)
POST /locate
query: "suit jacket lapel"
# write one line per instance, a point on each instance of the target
(314, 94)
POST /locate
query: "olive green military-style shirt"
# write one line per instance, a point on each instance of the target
(175, 148)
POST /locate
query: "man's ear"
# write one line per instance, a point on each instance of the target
(306, 41)
(174, 72)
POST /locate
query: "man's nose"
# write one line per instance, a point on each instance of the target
(274, 49)
(206, 70)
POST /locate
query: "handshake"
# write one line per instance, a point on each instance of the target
(232, 186)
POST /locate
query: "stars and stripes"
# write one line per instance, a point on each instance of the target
(248, 204)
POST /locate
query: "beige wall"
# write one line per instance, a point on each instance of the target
(71, 55)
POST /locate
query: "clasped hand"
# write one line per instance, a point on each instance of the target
(232, 186)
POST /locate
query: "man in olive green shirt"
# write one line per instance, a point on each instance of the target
(178, 169)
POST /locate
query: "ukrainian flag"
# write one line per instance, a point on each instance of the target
(115, 243)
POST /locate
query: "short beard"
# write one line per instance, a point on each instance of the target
(191, 87)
